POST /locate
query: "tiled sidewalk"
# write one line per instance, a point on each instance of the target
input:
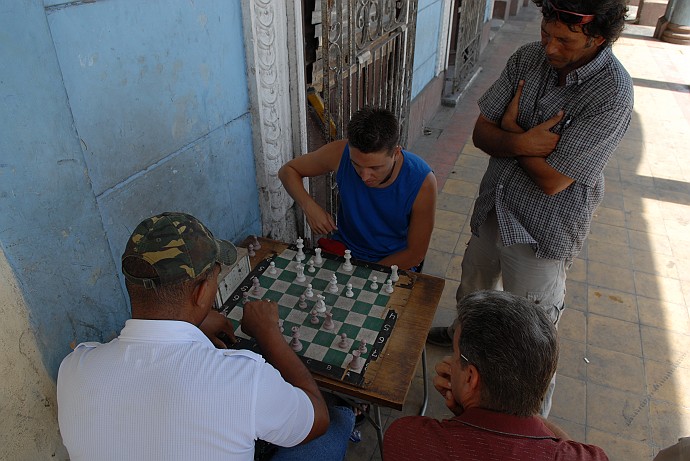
(629, 290)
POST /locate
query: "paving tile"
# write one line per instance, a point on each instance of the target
(608, 252)
(619, 413)
(455, 203)
(619, 447)
(578, 270)
(571, 357)
(616, 335)
(615, 370)
(612, 303)
(569, 399)
(454, 270)
(665, 345)
(449, 220)
(573, 325)
(662, 288)
(608, 234)
(609, 216)
(460, 188)
(668, 382)
(669, 422)
(664, 315)
(448, 295)
(576, 295)
(683, 267)
(654, 263)
(436, 262)
(654, 243)
(606, 275)
(443, 240)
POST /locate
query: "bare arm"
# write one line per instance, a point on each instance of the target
(421, 226)
(321, 161)
(260, 320)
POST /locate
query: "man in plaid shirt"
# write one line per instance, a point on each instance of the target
(550, 123)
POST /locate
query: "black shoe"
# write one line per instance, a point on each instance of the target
(438, 336)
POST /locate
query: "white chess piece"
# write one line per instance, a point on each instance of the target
(251, 251)
(309, 293)
(388, 287)
(272, 268)
(300, 254)
(347, 267)
(328, 323)
(245, 297)
(362, 347)
(300, 273)
(311, 268)
(348, 292)
(257, 245)
(374, 285)
(394, 273)
(256, 286)
(314, 317)
(357, 362)
(343, 341)
(280, 325)
(302, 302)
(333, 284)
(320, 305)
(296, 344)
(317, 256)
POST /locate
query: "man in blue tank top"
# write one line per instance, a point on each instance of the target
(387, 195)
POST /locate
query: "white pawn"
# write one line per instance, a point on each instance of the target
(280, 325)
(343, 341)
(357, 362)
(347, 267)
(374, 285)
(394, 273)
(348, 292)
(300, 273)
(362, 347)
(317, 256)
(388, 287)
(311, 268)
(309, 293)
(296, 344)
(251, 251)
(300, 254)
(328, 323)
(257, 245)
(272, 268)
(302, 302)
(333, 284)
(314, 317)
(320, 305)
(256, 285)
(245, 297)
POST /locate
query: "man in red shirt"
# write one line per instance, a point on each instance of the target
(505, 351)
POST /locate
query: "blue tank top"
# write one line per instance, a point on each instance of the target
(373, 222)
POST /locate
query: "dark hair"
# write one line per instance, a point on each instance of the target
(609, 15)
(373, 129)
(514, 346)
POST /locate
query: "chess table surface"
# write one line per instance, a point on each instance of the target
(389, 378)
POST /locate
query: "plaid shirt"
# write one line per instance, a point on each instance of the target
(597, 100)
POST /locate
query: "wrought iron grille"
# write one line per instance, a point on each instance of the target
(469, 32)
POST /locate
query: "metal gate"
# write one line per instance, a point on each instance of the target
(364, 58)
(469, 35)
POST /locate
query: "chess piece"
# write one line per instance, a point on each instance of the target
(333, 284)
(300, 273)
(374, 285)
(343, 344)
(300, 254)
(251, 251)
(256, 286)
(257, 245)
(328, 323)
(314, 317)
(394, 273)
(347, 267)
(309, 293)
(272, 268)
(357, 362)
(362, 347)
(388, 287)
(280, 325)
(302, 302)
(245, 297)
(317, 256)
(348, 292)
(320, 305)
(296, 344)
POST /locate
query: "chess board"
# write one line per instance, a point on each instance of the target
(366, 316)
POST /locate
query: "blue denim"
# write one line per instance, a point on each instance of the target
(330, 446)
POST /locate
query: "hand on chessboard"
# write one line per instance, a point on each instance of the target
(259, 317)
(216, 326)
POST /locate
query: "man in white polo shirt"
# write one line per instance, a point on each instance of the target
(162, 391)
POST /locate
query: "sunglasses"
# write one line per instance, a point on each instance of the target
(569, 17)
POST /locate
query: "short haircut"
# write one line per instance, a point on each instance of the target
(514, 346)
(609, 16)
(373, 129)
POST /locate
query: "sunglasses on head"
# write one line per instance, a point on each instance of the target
(569, 17)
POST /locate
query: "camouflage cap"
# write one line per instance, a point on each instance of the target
(177, 246)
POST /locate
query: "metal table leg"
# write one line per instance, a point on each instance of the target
(426, 384)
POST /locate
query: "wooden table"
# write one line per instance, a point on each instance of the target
(396, 367)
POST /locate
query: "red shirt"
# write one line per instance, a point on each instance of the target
(481, 435)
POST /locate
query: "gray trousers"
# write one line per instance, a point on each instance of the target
(489, 265)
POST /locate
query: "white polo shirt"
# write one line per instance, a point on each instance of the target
(162, 391)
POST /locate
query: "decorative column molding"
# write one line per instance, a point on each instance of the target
(444, 35)
(266, 25)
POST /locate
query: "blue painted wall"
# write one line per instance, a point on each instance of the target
(429, 21)
(110, 112)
